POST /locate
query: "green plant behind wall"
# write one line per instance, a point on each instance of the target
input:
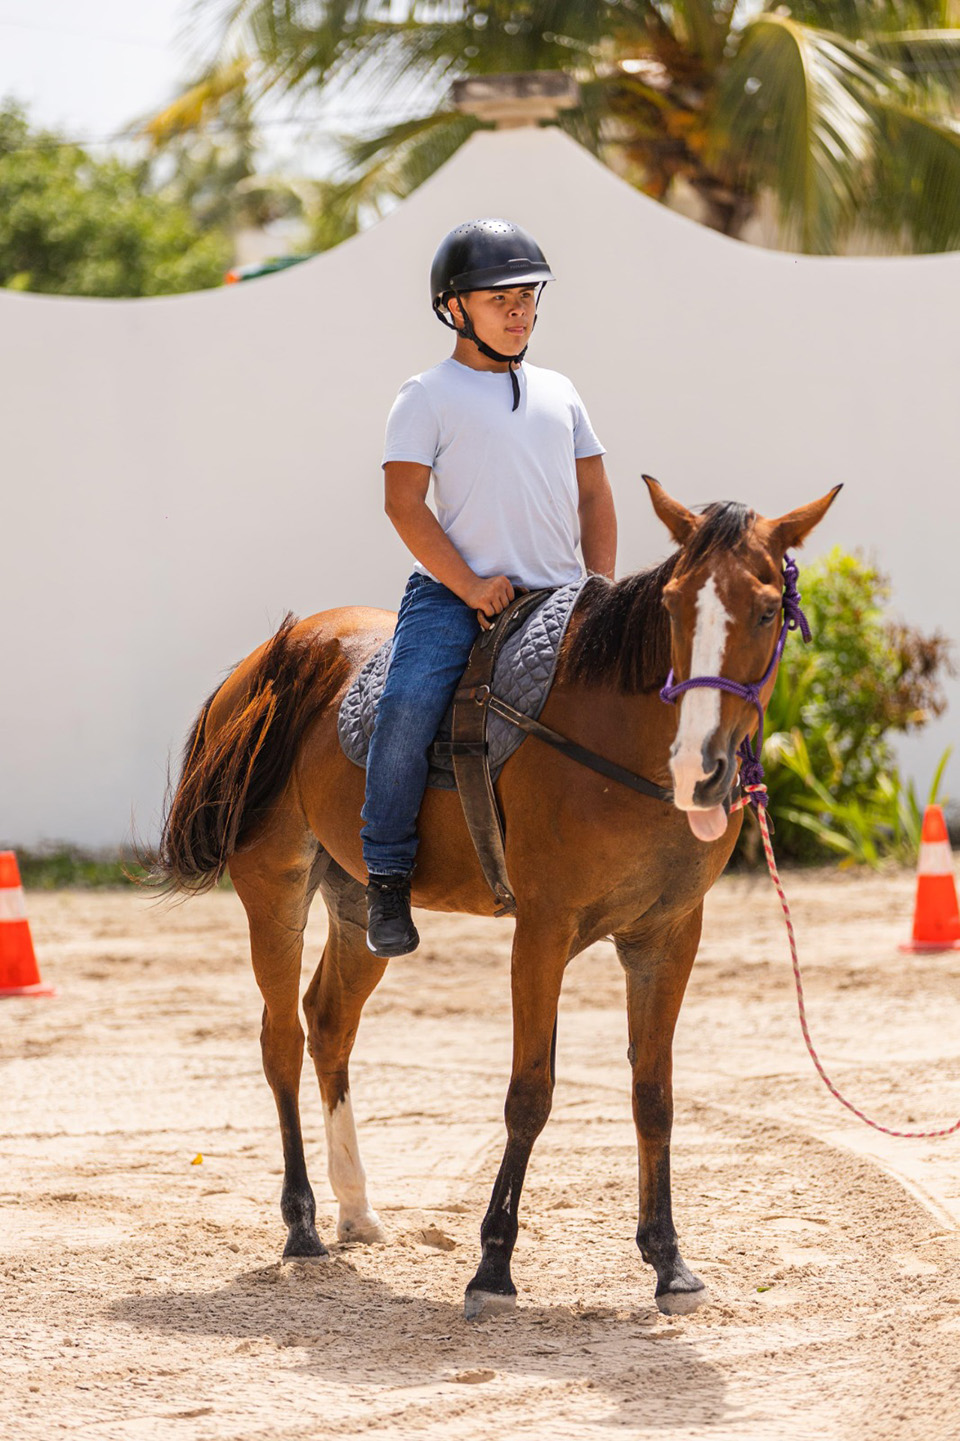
(838, 703)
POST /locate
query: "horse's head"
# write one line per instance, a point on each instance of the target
(725, 602)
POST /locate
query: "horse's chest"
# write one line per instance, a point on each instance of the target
(674, 878)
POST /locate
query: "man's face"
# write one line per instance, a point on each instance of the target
(503, 318)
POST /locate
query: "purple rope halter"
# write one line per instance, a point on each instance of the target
(751, 766)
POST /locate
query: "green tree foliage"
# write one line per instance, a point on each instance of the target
(845, 111)
(838, 703)
(73, 225)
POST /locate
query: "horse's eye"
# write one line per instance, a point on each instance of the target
(768, 617)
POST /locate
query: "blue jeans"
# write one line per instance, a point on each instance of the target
(435, 632)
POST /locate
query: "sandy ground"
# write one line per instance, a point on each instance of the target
(143, 1297)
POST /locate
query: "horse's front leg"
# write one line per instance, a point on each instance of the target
(657, 973)
(539, 958)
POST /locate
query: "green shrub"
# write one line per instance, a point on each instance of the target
(57, 866)
(831, 773)
(60, 866)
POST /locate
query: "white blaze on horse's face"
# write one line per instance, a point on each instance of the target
(700, 709)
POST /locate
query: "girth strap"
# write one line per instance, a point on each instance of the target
(579, 753)
(595, 762)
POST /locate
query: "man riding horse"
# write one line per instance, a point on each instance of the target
(617, 831)
(516, 486)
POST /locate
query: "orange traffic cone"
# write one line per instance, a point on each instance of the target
(19, 975)
(936, 919)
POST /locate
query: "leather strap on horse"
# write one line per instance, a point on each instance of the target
(595, 762)
(468, 748)
(579, 753)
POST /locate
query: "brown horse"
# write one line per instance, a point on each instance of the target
(266, 793)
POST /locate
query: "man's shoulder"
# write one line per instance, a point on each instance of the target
(425, 392)
(549, 379)
(430, 380)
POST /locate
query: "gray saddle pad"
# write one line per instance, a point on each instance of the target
(523, 676)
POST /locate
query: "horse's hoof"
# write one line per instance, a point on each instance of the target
(365, 1229)
(487, 1303)
(305, 1246)
(681, 1303)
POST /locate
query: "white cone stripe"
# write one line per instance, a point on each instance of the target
(13, 907)
(936, 859)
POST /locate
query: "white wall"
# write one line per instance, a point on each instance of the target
(180, 471)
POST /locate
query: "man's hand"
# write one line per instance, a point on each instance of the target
(489, 597)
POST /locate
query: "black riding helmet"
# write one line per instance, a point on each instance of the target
(481, 255)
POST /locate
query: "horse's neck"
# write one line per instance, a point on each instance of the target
(636, 731)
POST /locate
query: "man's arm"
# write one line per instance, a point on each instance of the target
(406, 485)
(598, 518)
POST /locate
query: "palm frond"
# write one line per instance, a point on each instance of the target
(588, 122)
(791, 115)
(386, 167)
(199, 103)
(857, 18)
(916, 192)
(706, 24)
(311, 42)
(929, 58)
(432, 138)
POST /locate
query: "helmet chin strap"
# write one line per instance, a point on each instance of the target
(468, 333)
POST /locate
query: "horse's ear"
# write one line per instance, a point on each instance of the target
(680, 522)
(793, 528)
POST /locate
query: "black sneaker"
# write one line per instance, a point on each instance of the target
(390, 928)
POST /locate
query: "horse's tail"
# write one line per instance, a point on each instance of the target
(236, 763)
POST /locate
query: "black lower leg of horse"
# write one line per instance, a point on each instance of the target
(498, 1234)
(277, 906)
(297, 1205)
(656, 979)
(536, 991)
(678, 1289)
(281, 1042)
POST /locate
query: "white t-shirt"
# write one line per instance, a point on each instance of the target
(504, 481)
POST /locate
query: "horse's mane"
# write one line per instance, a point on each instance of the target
(622, 633)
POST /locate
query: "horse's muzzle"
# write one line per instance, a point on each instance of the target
(714, 789)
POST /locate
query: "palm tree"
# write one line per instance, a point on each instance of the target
(843, 111)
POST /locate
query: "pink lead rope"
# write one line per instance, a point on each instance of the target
(757, 796)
